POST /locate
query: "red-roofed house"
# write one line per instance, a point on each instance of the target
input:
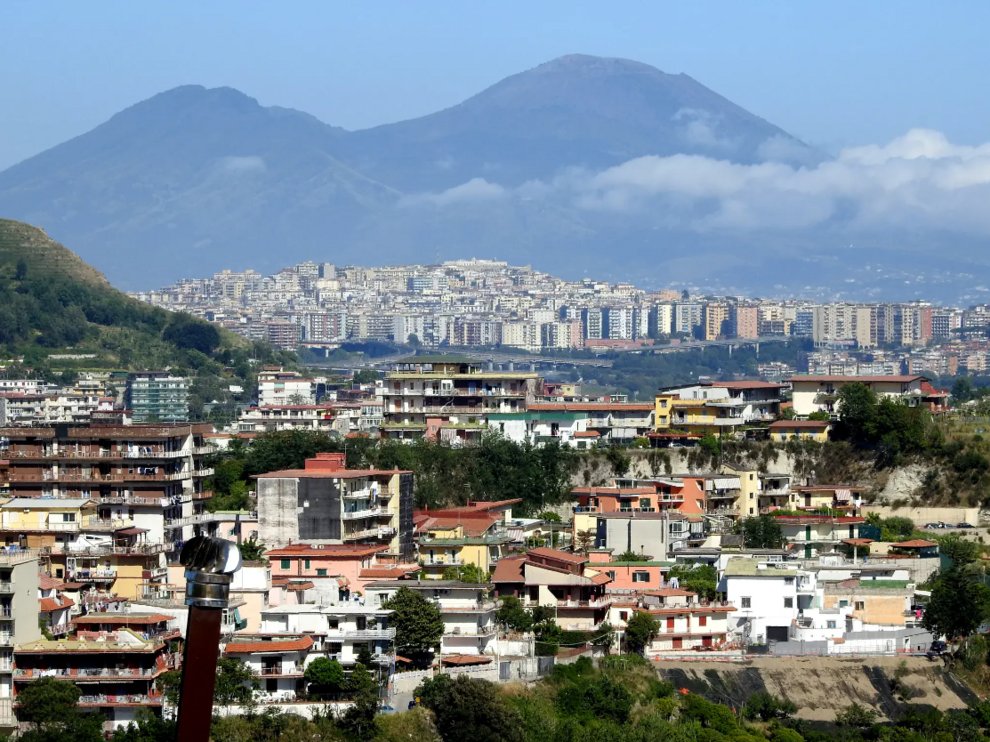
(819, 393)
(326, 502)
(686, 623)
(279, 663)
(345, 562)
(456, 536)
(558, 579)
(812, 534)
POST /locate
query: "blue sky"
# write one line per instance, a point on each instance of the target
(834, 73)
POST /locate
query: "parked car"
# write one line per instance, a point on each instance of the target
(964, 525)
(933, 526)
(937, 649)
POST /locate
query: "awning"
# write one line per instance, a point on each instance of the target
(130, 531)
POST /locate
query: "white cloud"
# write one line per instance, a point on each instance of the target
(245, 164)
(476, 189)
(917, 181)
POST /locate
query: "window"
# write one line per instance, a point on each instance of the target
(321, 573)
(788, 602)
(68, 517)
(860, 605)
(611, 574)
(283, 563)
(333, 623)
(830, 624)
(788, 580)
(702, 620)
(843, 604)
(307, 564)
(641, 576)
(747, 602)
(623, 615)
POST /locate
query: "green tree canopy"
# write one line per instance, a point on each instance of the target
(469, 572)
(513, 615)
(235, 684)
(959, 603)
(48, 701)
(469, 709)
(325, 675)
(641, 630)
(761, 532)
(700, 578)
(418, 624)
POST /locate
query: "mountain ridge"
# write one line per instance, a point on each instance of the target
(196, 179)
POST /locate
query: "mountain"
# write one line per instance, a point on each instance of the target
(575, 111)
(189, 178)
(565, 166)
(52, 302)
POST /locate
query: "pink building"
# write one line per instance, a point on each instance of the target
(352, 565)
(628, 577)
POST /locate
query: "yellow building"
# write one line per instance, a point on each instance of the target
(805, 430)
(107, 553)
(696, 415)
(748, 501)
(443, 545)
(716, 320)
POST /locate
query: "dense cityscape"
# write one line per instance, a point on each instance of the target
(460, 386)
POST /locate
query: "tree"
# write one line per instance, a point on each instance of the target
(512, 615)
(286, 449)
(469, 709)
(418, 625)
(700, 578)
(469, 572)
(236, 683)
(959, 551)
(857, 405)
(761, 532)
(548, 516)
(584, 540)
(632, 556)
(959, 603)
(324, 676)
(48, 701)
(855, 715)
(186, 331)
(641, 630)
(365, 376)
(765, 707)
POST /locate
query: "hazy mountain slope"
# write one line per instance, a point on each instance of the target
(191, 180)
(575, 111)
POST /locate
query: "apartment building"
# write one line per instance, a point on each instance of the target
(686, 623)
(467, 610)
(19, 614)
(716, 407)
(157, 397)
(280, 388)
(813, 534)
(115, 670)
(576, 424)
(446, 398)
(325, 502)
(557, 579)
(146, 476)
(819, 393)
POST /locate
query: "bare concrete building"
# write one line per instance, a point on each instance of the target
(327, 503)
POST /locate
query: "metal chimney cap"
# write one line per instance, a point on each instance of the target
(211, 555)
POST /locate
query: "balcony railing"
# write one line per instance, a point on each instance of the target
(361, 634)
(121, 700)
(367, 513)
(84, 674)
(268, 672)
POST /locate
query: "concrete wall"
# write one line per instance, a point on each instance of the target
(920, 516)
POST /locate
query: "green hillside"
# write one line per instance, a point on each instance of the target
(53, 304)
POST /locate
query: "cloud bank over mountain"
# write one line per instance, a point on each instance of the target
(919, 180)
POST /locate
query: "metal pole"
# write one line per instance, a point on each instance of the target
(210, 564)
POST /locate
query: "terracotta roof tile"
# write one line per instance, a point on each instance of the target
(50, 605)
(262, 647)
(510, 569)
(561, 556)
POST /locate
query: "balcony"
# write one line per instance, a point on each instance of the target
(6, 587)
(359, 535)
(87, 674)
(602, 602)
(92, 575)
(274, 672)
(483, 606)
(366, 513)
(476, 632)
(121, 700)
(361, 634)
(6, 639)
